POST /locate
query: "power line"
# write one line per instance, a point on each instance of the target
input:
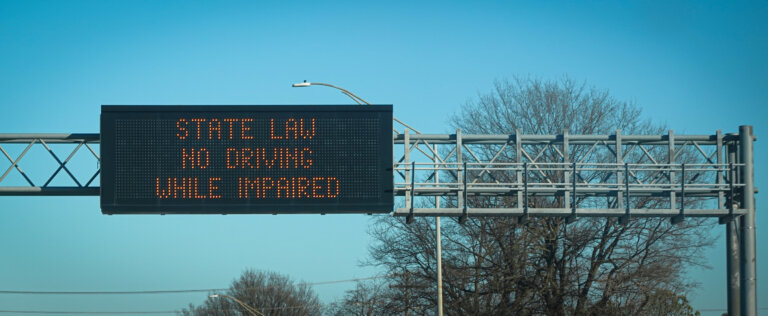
(148, 292)
(108, 292)
(90, 313)
(724, 310)
(128, 313)
(348, 280)
(17, 292)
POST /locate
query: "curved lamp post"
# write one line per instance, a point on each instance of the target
(437, 219)
(345, 91)
(251, 310)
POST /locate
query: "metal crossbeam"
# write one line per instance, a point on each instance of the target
(533, 186)
(82, 186)
(499, 175)
(562, 212)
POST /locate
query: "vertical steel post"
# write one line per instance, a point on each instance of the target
(677, 219)
(409, 219)
(748, 260)
(460, 174)
(732, 242)
(519, 174)
(573, 196)
(670, 161)
(672, 152)
(524, 219)
(627, 206)
(406, 160)
(439, 239)
(732, 265)
(619, 178)
(620, 175)
(463, 216)
(566, 178)
(566, 172)
(719, 161)
(439, 269)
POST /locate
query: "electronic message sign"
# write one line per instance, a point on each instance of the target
(246, 159)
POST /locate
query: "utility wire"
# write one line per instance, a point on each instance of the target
(129, 313)
(90, 313)
(108, 292)
(169, 291)
(723, 309)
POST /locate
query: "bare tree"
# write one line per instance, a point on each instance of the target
(269, 293)
(594, 266)
(384, 297)
(368, 298)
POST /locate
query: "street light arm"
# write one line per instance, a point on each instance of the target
(345, 91)
(250, 309)
(354, 97)
(342, 90)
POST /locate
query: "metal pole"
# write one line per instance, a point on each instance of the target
(406, 160)
(748, 262)
(732, 245)
(463, 216)
(439, 269)
(719, 152)
(409, 219)
(439, 240)
(566, 172)
(460, 175)
(732, 264)
(519, 176)
(619, 178)
(524, 219)
(670, 161)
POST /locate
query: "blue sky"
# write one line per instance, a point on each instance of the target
(697, 67)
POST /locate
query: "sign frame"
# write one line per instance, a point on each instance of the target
(384, 171)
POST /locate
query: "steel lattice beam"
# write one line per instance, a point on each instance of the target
(83, 187)
(685, 174)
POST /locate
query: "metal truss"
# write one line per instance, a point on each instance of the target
(571, 175)
(81, 142)
(685, 175)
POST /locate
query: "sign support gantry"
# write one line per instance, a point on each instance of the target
(565, 175)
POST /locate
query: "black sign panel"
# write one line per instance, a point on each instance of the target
(246, 159)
